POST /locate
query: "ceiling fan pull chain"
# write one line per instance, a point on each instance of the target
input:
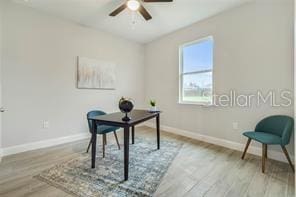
(134, 20)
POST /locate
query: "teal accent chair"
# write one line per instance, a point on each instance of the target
(272, 130)
(101, 129)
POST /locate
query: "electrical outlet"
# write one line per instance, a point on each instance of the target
(45, 124)
(235, 125)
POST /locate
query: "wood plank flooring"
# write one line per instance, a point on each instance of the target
(200, 169)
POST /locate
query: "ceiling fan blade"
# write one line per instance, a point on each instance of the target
(144, 13)
(118, 10)
(150, 1)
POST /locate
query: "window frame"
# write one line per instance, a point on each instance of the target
(181, 74)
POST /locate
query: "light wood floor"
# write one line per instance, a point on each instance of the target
(200, 169)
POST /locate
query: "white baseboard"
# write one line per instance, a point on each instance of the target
(42, 144)
(279, 156)
(213, 140)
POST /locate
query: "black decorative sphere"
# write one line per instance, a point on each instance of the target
(126, 105)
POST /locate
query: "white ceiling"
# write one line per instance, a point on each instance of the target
(167, 17)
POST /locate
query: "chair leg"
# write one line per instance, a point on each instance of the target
(246, 148)
(288, 158)
(89, 145)
(115, 135)
(264, 147)
(104, 143)
(105, 137)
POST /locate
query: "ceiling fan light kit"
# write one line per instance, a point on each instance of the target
(133, 5)
(136, 5)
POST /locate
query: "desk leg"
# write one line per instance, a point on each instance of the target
(133, 134)
(94, 144)
(157, 131)
(126, 152)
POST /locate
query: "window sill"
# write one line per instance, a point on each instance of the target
(197, 104)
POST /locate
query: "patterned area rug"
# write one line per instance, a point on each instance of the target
(146, 169)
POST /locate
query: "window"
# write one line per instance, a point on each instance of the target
(196, 72)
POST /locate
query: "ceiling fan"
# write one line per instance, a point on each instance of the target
(136, 5)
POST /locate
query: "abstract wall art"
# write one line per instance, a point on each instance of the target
(95, 74)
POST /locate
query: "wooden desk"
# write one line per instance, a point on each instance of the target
(115, 119)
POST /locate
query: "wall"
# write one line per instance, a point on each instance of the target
(39, 75)
(294, 69)
(0, 77)
(253, 51)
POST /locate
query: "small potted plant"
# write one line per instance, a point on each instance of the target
(152, 105)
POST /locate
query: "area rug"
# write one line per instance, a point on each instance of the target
(147, 166)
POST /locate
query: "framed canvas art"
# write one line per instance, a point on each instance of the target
(95, 74)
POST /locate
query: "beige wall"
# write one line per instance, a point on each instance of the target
(39, 75)
(294, 71)
(1, 12)
(253, 51)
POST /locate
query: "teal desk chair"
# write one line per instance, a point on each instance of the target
(102, 130)
(271, 131)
